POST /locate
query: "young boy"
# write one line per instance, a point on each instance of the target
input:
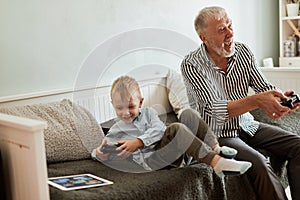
(141, 133)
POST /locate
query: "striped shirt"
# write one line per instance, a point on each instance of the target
(209, 88)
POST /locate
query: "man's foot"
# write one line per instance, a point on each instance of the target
(231, 167)
(226, 152)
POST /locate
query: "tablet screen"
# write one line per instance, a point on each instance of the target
(80, 181)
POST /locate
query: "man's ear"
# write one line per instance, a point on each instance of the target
(141, 102)
(202, 37)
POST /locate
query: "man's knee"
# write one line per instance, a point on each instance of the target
(261, 167)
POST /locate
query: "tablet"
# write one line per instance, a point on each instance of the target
(75, 182)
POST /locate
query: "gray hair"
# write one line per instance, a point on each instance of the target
(206, 13)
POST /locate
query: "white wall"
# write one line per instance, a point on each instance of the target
(44, 44)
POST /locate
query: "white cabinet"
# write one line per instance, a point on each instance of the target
(287, 27)
(285, 78)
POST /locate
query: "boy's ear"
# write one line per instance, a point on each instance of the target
(141, 102)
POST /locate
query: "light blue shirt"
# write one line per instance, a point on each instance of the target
(147, 127)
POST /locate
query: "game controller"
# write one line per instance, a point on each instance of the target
(106, 148)
(294, 98)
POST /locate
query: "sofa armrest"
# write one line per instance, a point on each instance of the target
(24, 158)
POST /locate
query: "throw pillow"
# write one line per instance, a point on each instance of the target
(72, 132)
(176, 92)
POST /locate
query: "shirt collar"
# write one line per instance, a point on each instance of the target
(204, 53)
(138, 117)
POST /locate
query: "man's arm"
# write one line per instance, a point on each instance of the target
(269, 101)
(267, 96)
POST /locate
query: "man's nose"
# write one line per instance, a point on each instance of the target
(229, 32)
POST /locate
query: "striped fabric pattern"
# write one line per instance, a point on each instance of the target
(209, 89)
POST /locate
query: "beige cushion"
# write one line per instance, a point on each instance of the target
(72, 131)
(177, 92)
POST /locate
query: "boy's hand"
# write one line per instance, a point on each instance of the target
(129, 146)
(100, 154)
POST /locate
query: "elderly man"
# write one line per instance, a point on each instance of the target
(217, 76)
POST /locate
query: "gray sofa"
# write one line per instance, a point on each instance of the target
(73, 132)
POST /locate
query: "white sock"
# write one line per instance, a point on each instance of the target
(231, 167)
(226, 152)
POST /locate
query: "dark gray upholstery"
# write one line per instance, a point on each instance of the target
(196, 181)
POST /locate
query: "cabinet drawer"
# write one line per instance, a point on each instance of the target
(289, 62)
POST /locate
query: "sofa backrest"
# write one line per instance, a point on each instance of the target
(73, 125)
(164, 91)
(72, 132)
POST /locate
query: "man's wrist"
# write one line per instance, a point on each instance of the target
(253, 101)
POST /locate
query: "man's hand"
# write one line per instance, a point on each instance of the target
(289, 93)
(296, 105)
(269, 102)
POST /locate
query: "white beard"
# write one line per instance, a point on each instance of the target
(222, 52)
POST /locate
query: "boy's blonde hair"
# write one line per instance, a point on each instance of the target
(126, 87)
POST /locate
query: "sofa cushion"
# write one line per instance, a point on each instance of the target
(72, 132)
(289, 122)
(176, 92)
(193, 182)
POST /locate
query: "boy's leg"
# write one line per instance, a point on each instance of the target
(177, 140)
(198, 126)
